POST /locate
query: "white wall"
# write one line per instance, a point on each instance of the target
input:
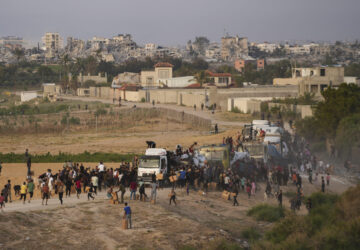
(242, 103)
(27, 95)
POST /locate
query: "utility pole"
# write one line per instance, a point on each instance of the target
(96, 121)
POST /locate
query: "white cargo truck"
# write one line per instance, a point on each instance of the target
(154, 161)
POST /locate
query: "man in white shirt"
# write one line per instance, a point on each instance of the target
(101, 167)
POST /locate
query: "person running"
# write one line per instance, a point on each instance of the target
(95, 183)
(133, 187)
(8, 187)
(68, 185)
(30, 189)
(143, 195)
(78, 188)
(127, 215)
(23, 192)
(172, 197)
(90, 192)
(45, 191)
(122, 190)
(2, 201)
(248, 189)
(60, 189)
(236, 192)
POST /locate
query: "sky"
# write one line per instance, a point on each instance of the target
(174, 22)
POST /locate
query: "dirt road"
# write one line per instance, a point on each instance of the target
(203, 114)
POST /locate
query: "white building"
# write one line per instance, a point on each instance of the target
(177, 82)
(27, 95)
(267, 47)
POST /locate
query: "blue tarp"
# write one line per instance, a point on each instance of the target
(272, 151)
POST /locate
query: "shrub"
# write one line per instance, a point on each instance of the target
(266, 213)
(100, 111)
(236, 110)
(74, 121)
(143, 99)
(62, 157)
(251, 234)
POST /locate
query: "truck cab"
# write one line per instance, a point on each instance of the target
(154, 161)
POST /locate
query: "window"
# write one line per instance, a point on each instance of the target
(149, 80)
(322, 72)
(223, 80)
(314, 88)
(323, 87)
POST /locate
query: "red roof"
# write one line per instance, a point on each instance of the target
(194, 86)
(129, 87)
(218, 74)
(163, 64)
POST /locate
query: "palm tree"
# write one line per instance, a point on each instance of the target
(201, 77)
(65, 59)
(19, 53)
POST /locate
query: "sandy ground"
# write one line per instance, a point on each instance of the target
(197, 220)
(133, 140)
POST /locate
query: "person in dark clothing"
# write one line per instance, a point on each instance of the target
(216, 129)
(28, 164)
(235, 193)
(202, 106)
(91, 191)
(322, 184)
(68, 185)
(279, 197)
(308, 205)
(142, 192)
(122, 190)
(172, 197)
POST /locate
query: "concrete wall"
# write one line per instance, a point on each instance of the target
(303, 110)
(101, 92)
(191, 99)
(97, 79)
(245, 104)
(27, 95)
(83, 92)
(131, 96)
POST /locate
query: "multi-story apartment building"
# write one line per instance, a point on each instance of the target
(12, 42)
(234, 47)
(52, 44)
(313, 80)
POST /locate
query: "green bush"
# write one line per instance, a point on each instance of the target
(251, 234)
(62, 157)
(266, 213)
(333, 223)
(74, 121)
(100, 111)
(143, 99)
(236, 110)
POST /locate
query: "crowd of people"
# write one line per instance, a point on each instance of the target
(242, 176)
